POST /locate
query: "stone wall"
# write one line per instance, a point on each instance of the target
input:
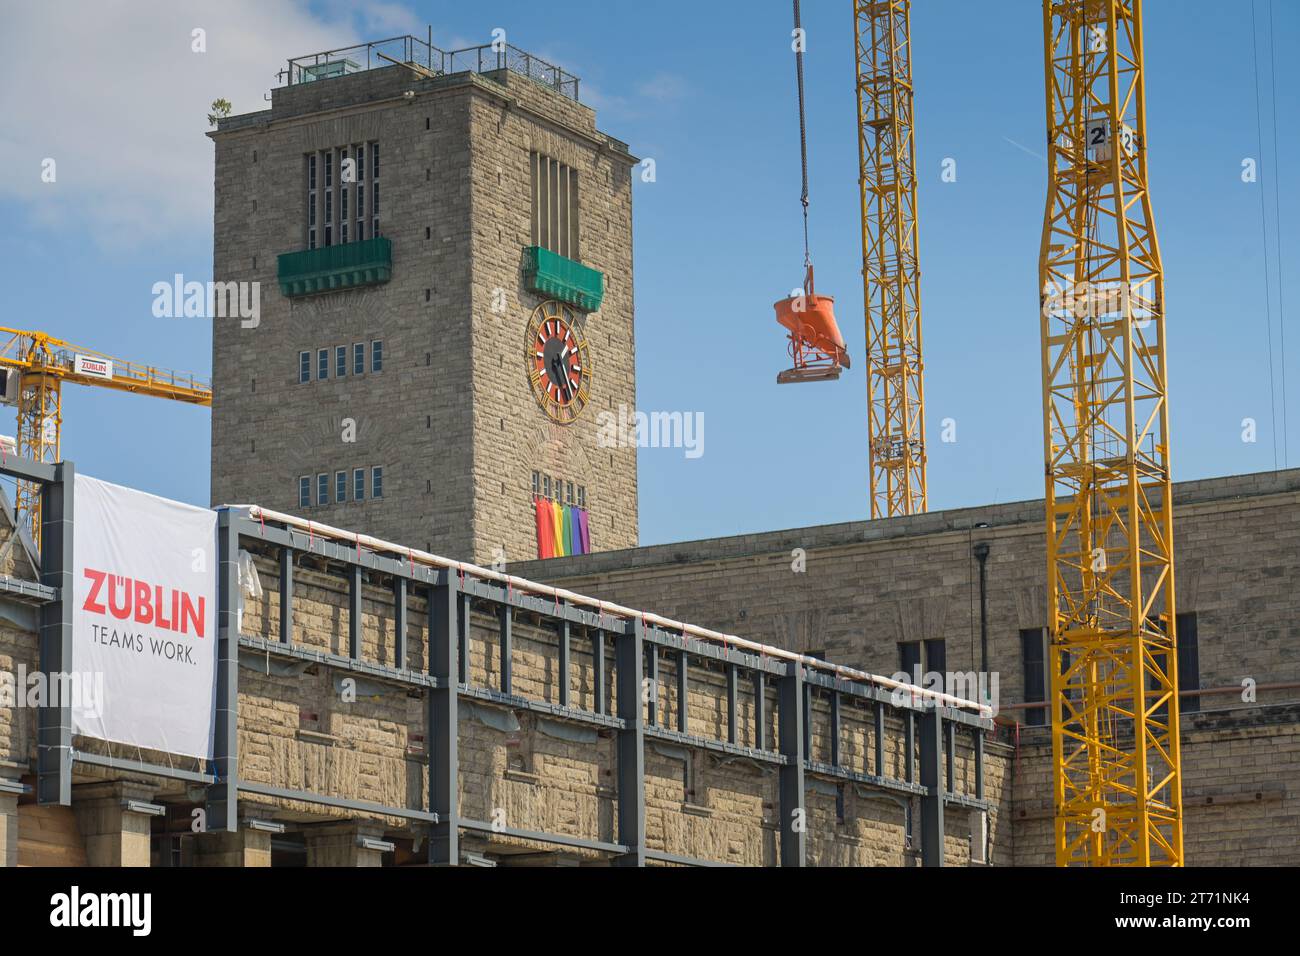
(867, 586)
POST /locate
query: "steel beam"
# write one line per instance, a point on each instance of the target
(807, 720)
(732, 725)
(354, 611)
(683, 693)
(506, 646)
(598, 676)
(564, 663)
(835, 729)
(950, 755)
(286, 595)
(462, 636)
(54, 723)
(932, 780)
(443, 724)
(791, 713)
(222, 804)
(879, 714)
(399, 623)
(629, 658)
(652, 679)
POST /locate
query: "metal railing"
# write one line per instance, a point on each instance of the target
(411, 50)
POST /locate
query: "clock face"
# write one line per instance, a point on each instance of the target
(559, 368)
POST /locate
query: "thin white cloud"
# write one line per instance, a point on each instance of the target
(118, 98)
(663, 88)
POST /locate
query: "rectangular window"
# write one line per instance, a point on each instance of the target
(936, 658)
(329, 169)
(359, 358)
(304, 491)
(582, 497)
(568, 492)
(537, 484)
(377, 356)
(340, 486)
(376, 482)
(322, 489)
(374, 160)
(909, 658)
(1189, 661)
(1035, 674)
(304, 367)
(554, 189)
(323, 364)
(341, 360)
(359, 484)
(546, 486)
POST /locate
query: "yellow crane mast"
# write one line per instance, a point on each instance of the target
(1110, 558)
(35, 366)
(891, 276)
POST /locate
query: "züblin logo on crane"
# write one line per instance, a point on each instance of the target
(130, 600)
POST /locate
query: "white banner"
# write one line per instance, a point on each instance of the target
(145, 618)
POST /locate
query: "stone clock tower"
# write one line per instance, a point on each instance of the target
(444, 255)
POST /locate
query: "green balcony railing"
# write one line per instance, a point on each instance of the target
(331, 268)
(551, 274)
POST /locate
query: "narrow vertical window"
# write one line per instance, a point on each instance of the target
(304, 367)
(323, 364)
(359, 484)
(1189, 661)
(377, 356)
(376, 482)
(322, 489)
(374, 190)
(341, 360)
(359, 358)
(311, 201)
(340, 486)
(1031, 657)
(361, 193)
(304, 491)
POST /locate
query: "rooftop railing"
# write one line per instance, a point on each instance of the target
(414, 52)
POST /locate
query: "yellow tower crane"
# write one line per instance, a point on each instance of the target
(891, 276)
(33, 368)
(1110, 550)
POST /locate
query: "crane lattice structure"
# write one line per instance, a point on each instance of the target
(891, 276)
(1110, 595)
(43, 364)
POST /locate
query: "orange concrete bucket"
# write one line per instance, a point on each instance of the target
(816, 344)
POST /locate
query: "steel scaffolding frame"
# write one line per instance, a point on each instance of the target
(450, 597)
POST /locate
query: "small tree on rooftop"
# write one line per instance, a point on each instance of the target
(220, 110)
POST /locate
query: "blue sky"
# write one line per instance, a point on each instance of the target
(707, 91)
